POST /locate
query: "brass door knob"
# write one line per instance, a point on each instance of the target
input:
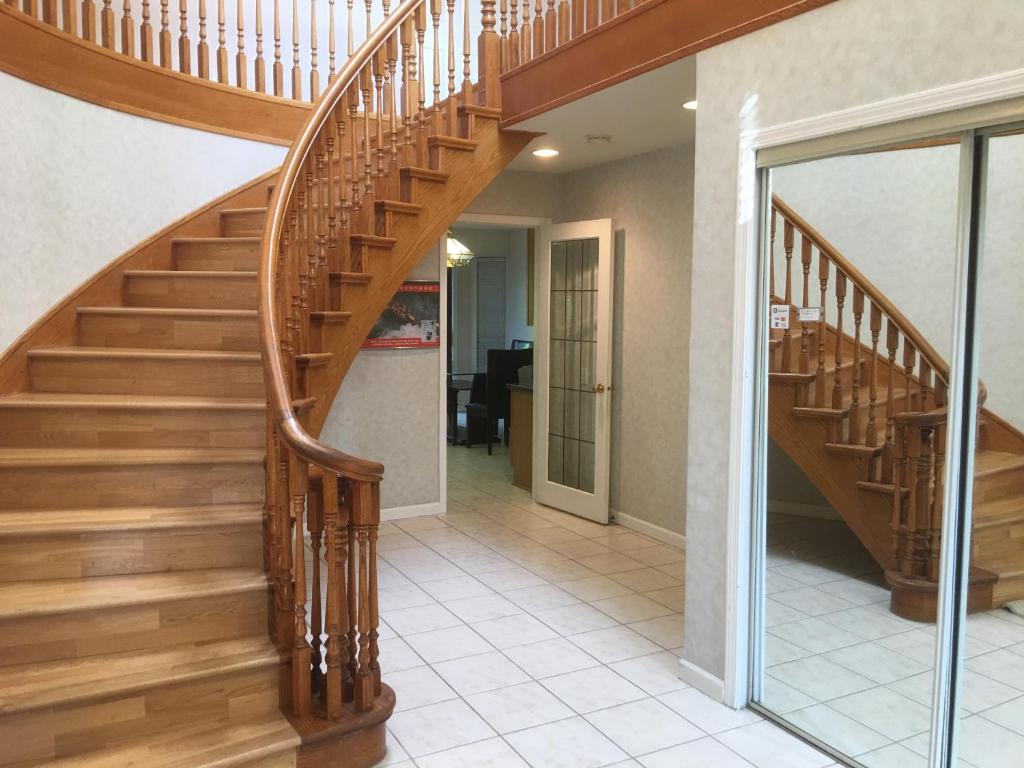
(599, 388)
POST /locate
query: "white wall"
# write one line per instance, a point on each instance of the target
(81, 184)
(388, 410)
(847, 53)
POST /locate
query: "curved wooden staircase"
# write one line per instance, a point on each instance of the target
(863, 415)
(159, 602)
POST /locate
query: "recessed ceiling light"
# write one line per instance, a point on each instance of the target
(691, 105)
(545, 152)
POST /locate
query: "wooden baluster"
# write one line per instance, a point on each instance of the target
(876, 329)
(314, 72)
(164, 37)
(489, 50)
(538, 29)
(127, 26)
(284, 590)
(771, 256)
(435, 16)
(467, 83)
(408, 30)
(550, 26)
(379, 65)
(837, 380)
(259, 65)
(296, 70)
(421, 84)
(592, 14)
(503, 35)
(579, 16)
(184, 46)
(353, 112)
(146, 52)
(805, 330)
(352, 590)
(29, 7)
(924, 379)
(892, 341)
(222, 51)
(89, 20)
(564, 22)
(69, 17)
(621, 6)
(910, 466)
(315, 526)
(278, 68)
(527, 35)
(515, 48)
(366, 86)
(451, 65)
(909, 363)
(337, 604)
(50, 12)
(106, 25)
(607, 10)
(240, 63)
(934, 547)
(391, 88)
(364, 520)
(331, 43)
(923, 510)
(298, 481)
(858, 313)
(368, 4)
(349, 28)
(897, 526)
(787, 339)
(322, 210)
(819, 376)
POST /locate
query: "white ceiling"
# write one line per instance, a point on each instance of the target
(641, 114)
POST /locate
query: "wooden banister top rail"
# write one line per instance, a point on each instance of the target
(938, 364)
(291, 430)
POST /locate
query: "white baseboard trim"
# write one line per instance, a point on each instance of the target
(702, 680)
(798, 509)
(413, 510)
(650, 529)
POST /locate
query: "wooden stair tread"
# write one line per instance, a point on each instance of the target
(101, 457)
(260, 209)
(313, 359)
(1001, 511)
(218, 744)
(167, 311)
(452, 142)
(479, 110)
(33, 686)
(352, 278)
(133, 402)
(331, 317)
(990, 462)
(1005, 565)
(40, 598)
(233, 239)
(144, 353)
(427, 174)
(35, 522)
(190, 273)
(374, 241)
(398, 206)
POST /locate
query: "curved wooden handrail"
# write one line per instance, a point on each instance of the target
(935, 360)
(291, 430)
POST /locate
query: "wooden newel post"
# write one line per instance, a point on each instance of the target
(489, 60)
(364, 522)
(298, 483)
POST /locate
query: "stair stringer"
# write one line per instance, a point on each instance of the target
(470, 173)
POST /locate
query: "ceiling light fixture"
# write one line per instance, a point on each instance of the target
(545, 152)
(458, 254)
(691, 105)
(599, 138)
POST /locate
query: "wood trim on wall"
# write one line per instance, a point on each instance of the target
(48, 57)
(57, 327)
(644, 38)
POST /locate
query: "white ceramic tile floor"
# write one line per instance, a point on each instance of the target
(516, 636)
(843, 668)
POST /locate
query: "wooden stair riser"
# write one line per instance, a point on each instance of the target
(1009, 587)
(81, 727)
(127, 552)
(121, 629)
(131, 427)
(169, 330)
(999, 484)
(389, 213)
(215, 290)
(217, 255)
(442, 150)
(997, 541)
(142, 375)
(133, 485)
(245, 222)
(417, 185)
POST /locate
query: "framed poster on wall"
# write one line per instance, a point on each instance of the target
(412, 320)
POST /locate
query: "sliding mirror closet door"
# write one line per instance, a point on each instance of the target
(858, 313)
(992, 678)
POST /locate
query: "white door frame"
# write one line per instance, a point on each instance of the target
(490, 219)
(596, 505)
(952, 108)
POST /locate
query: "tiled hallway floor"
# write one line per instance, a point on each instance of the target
(843, 668)
(515, 635)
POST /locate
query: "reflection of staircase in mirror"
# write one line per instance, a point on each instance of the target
(858, 401)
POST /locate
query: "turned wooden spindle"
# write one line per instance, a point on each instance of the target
(919, 502)
(527, 36)
(331, 42)
(352, 96)
(89, 20)
(934, 548)
(366, 88)
(435, 17)
(391, 94)
(146, 52)
(489, 57)
(805, 326)
(106, 25)
(607, 11)
(379, 64)
(240, 64)
(259, 65)
(897, 525)
(278, 65)
(298, 482)
(363, 521)
(296, 69)
(514, 44)
(421, 84)
(787, 337)
(819, 375)
(165, 34)
(315, 526)
(579, 21)
(368, 5)
(222, 51)
(69, 16)
(837, 377)
(550, 26)
(352, 591)
(621, 6)
(127, 29)
(335, 526)
(50, 12)
(503, 34)
(203, 49)
(771, 255)
(538, 29)
(409, 85)
(592, 14)
(892, 341)
(876, 329)
(858, 314)
(467, 83)
(909, 363)
(450, 4)
(184, 46)
(314, 71)
(349, 27)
